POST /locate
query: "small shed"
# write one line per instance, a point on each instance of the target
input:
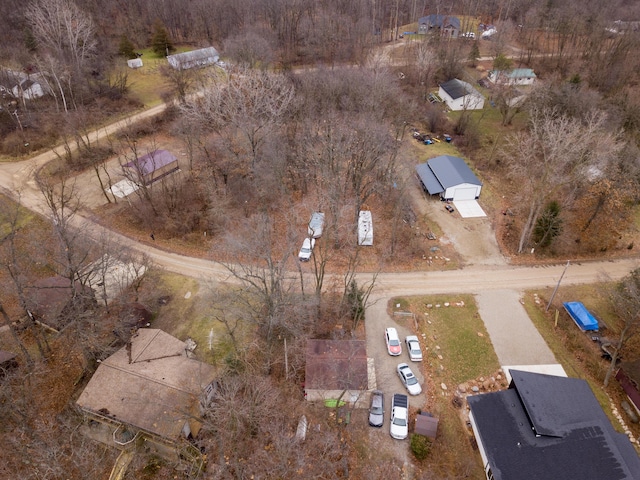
(151, 167)
(581, 316)
(459, 95)
(450, 177)
(194, 58)
(134, 63)
(427, 425)
(365, 228)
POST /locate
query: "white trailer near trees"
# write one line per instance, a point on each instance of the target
(365, 228)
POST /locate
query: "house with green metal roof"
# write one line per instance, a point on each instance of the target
(517, 76)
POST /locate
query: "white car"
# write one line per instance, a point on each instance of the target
(468, 35)
(409, 380)
(394, 347)
(413, 348)
(307, 248)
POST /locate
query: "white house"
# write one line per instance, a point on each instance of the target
(459, 95)
(517, 76)
(23, 86)
(450, 177)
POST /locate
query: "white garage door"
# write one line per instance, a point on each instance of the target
(464, 193)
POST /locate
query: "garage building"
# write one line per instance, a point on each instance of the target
(449, 177)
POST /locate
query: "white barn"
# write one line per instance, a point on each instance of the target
(194, 58)
(449, 177)
(459, 95)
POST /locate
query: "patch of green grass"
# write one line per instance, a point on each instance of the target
(452, 333)
(458, 335)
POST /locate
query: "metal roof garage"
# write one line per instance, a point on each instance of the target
(450, 177)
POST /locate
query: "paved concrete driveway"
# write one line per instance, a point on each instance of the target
(515, 339)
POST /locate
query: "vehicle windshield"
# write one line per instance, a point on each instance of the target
(394, 343)
(401, 422)
(376, 410)
(411, 380)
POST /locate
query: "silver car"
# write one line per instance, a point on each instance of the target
(376, 411)
(413, 347)
(409, 380)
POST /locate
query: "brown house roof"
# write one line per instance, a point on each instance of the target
(336, 365)
(48, 298)
(155, 387)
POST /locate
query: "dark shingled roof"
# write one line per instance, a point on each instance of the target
(457, 88)
(545, 427)
(440, 21)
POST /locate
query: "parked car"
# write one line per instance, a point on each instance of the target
(409, 380)
(413, 348)
(307, 248)
(316, 225)
(468, 35)
(376, 411)
(399, 425)
(449, 208)
(393, 341)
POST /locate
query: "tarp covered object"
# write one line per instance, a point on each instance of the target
(583, 318)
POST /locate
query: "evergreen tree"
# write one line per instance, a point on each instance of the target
(126, 48)
(549, 225)
(502, 63)
(161, 43)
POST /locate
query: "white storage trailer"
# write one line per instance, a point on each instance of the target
(365, 228)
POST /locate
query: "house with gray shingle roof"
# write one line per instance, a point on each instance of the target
(447, 25)
(546, 426)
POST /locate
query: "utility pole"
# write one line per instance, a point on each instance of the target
(557, 286)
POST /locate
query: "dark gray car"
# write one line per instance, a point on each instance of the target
(376, 412)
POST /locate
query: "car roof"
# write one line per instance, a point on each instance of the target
(392, 332)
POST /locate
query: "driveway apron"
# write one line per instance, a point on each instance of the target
(515, 339)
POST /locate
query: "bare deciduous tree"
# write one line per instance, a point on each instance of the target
(625, 301)
(248, 103)
(554, 153)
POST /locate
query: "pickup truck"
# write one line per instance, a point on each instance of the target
(400, 417)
